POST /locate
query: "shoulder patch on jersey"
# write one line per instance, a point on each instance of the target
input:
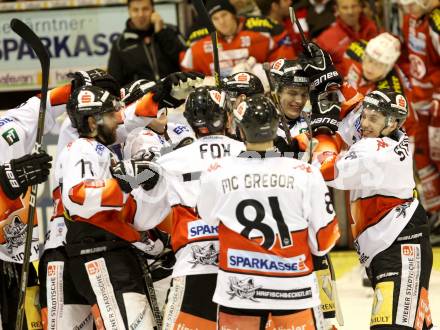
(434, 20)
(391, 82)
(197, 35)
(11, 136)
(356, 50)
(262, 24)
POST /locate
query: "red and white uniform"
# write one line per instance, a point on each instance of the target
(273, 214)
(257, 36)
(395, 80)
(381, 206)
(193, 240)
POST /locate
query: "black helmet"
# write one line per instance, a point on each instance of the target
(288, 73)
(242, 83)
(204, 112)
(89, 101)
(258, 118)
(391, 104)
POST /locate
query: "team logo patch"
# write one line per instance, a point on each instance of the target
(15, 234)
(204, 255)
(215, 96)
(278, 64)
(85, 97)
(247, 289)
(199, 228)
(401, 102)
(11, 136)
(243, 77)
(240, 111)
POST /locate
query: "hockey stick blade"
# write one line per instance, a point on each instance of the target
(35, 43)
(206, 21)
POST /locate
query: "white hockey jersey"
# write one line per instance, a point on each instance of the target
(90, 193)
(379, 174)
(295, 127)
(18, 131)
(145, 141)
(273, 214)
(194, 242)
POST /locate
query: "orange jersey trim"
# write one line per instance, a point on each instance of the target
(231, 240)
(146, 107)
(328, 235)
(366, 212)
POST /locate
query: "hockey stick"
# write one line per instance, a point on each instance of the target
(35, 43)
(206, 20)
(151, 293)
(275, 99)
(304, 42)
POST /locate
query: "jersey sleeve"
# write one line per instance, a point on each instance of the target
(141, 142)
(360, 166)
(86, 186)
(140, 113)
(323, 224)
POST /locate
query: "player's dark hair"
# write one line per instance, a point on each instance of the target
(130, 1)
(265, 6)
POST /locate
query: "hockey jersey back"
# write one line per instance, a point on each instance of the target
(194, 242)
(273, 214)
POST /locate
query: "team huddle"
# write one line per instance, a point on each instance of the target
(219, 216)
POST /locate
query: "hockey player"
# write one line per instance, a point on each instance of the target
(103, 202)
(195, 242)
(238, 39)
(137, 113)
(421, 32)
(237, 87)
(389, 226)
(273, 213)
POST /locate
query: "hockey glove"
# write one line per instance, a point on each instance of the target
(134, 173)
(17, 175)
(171, 91)
(134, 91)
(319, 67)
(95, 77)
(325, 114)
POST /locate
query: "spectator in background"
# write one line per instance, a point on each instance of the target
(314, 15)
(278, 11)
(148, 48)
(240, 40)
(350, 25)
(246, 7)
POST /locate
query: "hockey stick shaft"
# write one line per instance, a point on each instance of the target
(276, 101)
(294, 21)
(35, 43)
(206, 21)
(338, 309)
(151, 293)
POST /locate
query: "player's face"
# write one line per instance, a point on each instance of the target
(349, 11)
(292, 100)
(372, 123)
(225, 22)
(106, 129)
(284, 7)
(374, 70)
(159, 124)
(140, 13)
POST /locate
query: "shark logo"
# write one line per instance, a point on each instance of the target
(401, 210)
(206, 255)
(244, 289)
(15, 234)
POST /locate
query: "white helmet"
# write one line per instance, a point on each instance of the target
(385, 48)
(422, 3)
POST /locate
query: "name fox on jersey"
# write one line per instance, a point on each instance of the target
(199, 228)
(252, 181)
(263, 262)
